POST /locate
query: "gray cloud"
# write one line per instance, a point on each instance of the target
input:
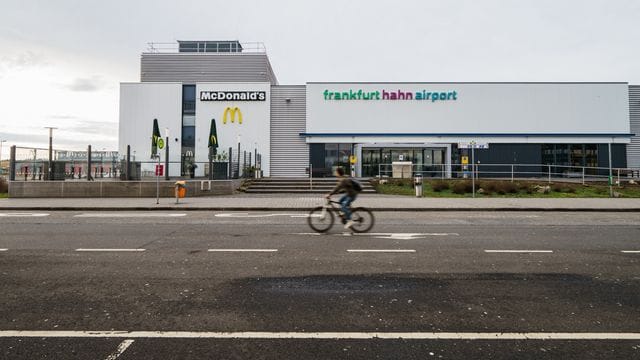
(62, 117)
(23, 60)
(68, 141)
(93, 83)
(95, 128)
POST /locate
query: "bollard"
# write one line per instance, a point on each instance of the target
(180, 190)
(417, 182)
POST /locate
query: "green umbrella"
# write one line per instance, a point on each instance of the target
(154, 139)
(213, 138)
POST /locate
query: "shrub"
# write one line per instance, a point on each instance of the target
(439, 185)
(506, 187)
(400, 182)
(563, 188)
(462, 187)
(489, 186)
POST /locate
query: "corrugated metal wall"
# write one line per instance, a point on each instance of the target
(190, 68)
(289, 151)
(633, 149)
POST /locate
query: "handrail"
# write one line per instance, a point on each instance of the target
(513, 171)
(166, 47)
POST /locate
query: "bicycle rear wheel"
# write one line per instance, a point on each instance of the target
(363, 220)
(320, 219)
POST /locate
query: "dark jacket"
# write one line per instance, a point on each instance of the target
(345, 185)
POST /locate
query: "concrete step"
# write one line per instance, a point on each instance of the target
(298, 191)
(294, 186)
(298, 186)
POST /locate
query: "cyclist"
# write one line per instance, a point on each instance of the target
(345, 185)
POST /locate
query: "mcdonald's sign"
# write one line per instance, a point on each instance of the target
(232, 112)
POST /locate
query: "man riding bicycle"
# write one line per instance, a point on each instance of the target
(345, 185)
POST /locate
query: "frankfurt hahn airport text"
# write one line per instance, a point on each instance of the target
(390, 95)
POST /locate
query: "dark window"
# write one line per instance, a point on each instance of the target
(188, 136)
(188, 99)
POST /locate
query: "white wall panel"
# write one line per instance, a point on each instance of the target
(480, 108)
(254, 130)
(140, 103)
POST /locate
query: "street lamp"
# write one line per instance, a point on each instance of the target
(1, 141)
(50, 149)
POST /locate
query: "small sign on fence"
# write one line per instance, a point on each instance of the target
(473, 145)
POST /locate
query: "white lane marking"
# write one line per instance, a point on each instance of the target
(107, 250)
(23, 214)
(518, 251)
(381, 251)
(326, 335)
(242, 250)
(4, 249)
(630, 251)
(410, 234)
(393, 236)
(121, 348)
(247, 215)
(126, 215)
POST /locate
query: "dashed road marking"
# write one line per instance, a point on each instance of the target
(247, 215)
(518, 251)
(126, 215)
(327, 335)
(23, 214)
(121, 348)
(4, 249)
(630, 251)
(381, 251)
(243, 250)
(108, 250)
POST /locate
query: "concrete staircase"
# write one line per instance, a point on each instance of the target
(299, 186)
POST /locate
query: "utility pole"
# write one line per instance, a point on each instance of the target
(1, 141)
(51, 128)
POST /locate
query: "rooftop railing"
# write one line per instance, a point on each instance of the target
(206, 47)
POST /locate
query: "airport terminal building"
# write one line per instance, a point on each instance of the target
(323, 125)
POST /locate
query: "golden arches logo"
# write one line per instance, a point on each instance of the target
(232, 112)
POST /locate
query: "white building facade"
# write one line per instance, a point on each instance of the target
(324, 125)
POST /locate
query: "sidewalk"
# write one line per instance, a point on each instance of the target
(291, 202)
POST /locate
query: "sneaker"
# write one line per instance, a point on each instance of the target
(349, 224)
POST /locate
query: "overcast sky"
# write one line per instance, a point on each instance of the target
(61, 61)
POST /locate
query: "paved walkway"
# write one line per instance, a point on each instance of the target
(249, 202)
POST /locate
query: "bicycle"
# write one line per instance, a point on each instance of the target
(321, 218)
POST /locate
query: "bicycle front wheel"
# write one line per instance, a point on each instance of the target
(363, 220)
(320, 219)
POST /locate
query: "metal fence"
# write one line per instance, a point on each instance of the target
(32, 164)
(511, 171)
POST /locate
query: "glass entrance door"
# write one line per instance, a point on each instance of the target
(377, 161)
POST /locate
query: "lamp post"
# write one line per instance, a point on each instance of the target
(239, 135)
(51, 128)
(102, 162)
(473, 169)
(1, 141)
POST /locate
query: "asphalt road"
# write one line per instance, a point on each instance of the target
(262, 286)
